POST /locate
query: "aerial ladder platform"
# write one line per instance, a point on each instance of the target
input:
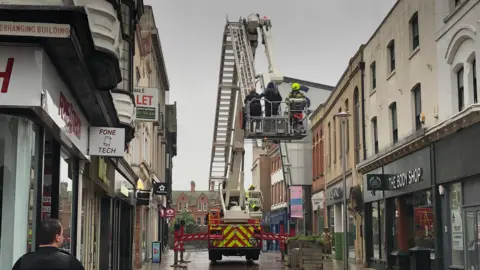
(234, 227)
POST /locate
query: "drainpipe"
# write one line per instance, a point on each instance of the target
(362, 90)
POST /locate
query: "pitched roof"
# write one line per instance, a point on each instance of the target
(194, 195)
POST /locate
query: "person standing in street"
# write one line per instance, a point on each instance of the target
(48, 256)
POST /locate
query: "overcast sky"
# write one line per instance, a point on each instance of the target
(313, 41)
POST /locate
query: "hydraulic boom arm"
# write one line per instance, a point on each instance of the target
(237, 78)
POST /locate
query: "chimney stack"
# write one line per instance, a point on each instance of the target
(192, 186)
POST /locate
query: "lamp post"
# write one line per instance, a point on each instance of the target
(343, 134)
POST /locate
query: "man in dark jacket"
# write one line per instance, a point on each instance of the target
(273, 99)
(253, 101)
(48, 255)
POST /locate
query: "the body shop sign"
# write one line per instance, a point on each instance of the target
(146, 102)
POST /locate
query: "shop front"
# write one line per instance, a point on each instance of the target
(318, 206)
(458, 184)
(42, 140)
(276, 217)
(399, 211)
(334, 204)
(123, 221)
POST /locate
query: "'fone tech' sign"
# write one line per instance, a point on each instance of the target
(107, 141)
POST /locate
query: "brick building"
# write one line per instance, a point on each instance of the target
(318, 180)
(197, 203)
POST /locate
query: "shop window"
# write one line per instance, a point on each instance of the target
(455, 199)
(376, 230)
(66, 200)
(423, 220)
(17, 179)
(352, 230)
(331, 224)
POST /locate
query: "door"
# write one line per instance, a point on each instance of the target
(91, 218)
(472, 237)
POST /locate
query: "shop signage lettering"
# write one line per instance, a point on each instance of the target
(106, 141)
(70, 116)
(336, 193)
(146, 101)
(34, 29)
(160, 188)
(5, 75)
(405, 179)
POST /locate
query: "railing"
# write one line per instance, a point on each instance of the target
(276, 118)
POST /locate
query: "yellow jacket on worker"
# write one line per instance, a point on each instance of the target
(295, 93)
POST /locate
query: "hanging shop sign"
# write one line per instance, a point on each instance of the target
(107, 141)
(160, 188)
(394, 181)
(143, 197)
(34, 29)
(169, 213)
(318, 200)
(146, 101)
(296, 202)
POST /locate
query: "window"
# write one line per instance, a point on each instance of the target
(126, 19)
(375, 134)
(391, 56)
(417, 103)
(393, 118)
(329, 145)
(357, 118)
(455, 197)
(340, 154)
(423, 226)
(373, 77)
(199, 206)
(205, 206)
(457, 3)
(199, 221)
(179, 204)
(474, 71)
(334, 140)
(414, 31)
(18, 170)
(347, 126)
(137, 75)
(460, 88)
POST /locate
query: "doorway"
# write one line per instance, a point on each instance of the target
(90, 226)
(472, 239)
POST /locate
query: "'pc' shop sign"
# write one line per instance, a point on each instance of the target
(107, 141)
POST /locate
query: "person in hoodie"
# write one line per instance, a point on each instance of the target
(273, 99)
(49, 255)
(253, 101)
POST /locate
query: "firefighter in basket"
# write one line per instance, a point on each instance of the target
(252, 205)
(297, 103)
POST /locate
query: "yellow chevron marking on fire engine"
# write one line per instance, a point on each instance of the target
(247, 233)
(227, 235)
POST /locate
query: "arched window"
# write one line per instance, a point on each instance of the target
(199, 221)
(356, 117)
